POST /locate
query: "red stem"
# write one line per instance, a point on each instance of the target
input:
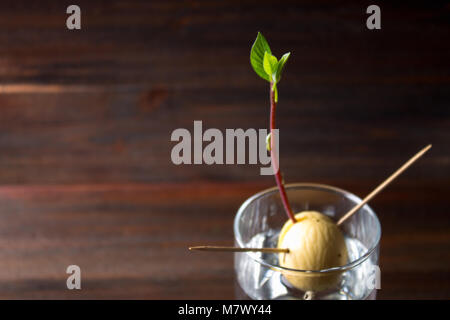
(278, 178)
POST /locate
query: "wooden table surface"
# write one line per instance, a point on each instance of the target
(86, 118)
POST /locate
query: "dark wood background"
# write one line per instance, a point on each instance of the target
(86, 118)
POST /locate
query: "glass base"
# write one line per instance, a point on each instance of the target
(240, 294)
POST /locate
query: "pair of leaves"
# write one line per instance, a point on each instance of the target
(273, 67)
(264, 63)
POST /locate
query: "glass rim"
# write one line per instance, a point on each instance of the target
(316, 186)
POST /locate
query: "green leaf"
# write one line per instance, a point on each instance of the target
(259, 48)
(270, 64)
(268, 144)
(281, 64)
(275, 91)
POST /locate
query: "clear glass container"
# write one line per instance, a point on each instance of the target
(259, 221)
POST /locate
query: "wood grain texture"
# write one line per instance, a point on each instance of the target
(86, 118)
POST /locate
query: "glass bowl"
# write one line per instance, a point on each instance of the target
(259, 221)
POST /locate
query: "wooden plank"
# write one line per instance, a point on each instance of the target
(129, 240)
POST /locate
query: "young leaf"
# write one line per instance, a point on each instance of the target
(259, 48)
(281, 64)
(268, 143)
(270, 64)
(275, 91)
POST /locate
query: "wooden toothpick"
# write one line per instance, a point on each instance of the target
(238, 249)
(384, 184)
(345, 217)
